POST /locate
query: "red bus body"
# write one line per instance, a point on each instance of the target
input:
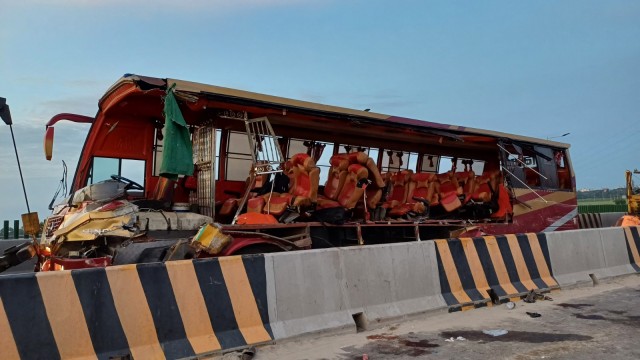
(536, 174)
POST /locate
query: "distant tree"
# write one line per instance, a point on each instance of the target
(620, 201)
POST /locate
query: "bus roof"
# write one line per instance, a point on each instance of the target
(182, 86)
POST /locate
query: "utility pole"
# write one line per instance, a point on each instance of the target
(30, 220)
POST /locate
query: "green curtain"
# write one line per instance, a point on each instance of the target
(177, 152)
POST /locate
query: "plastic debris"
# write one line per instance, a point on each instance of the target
(533, 314)
(496, 332)
(511, 305)
(452, 339)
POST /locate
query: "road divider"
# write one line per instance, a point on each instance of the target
(633, 246)
(188, 308)
(577, 255)
(306, 293)
(390, 281)
(346, 288)
(155, 310)
(472, 270)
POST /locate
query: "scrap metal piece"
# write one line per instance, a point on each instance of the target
(211, 239)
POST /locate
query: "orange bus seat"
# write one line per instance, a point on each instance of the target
(504, 204)
(373, 196)
(448, 190)
(420, 185)
(484, 185)
(229, 207)
(256, 218)
(304, 177)
(399, 188)
(277, 204)
(351, 193)
(337, 175)
(256, 204)
(423, 185)
(373, 192)
(364, 160)
(450, 201)
(466, 180)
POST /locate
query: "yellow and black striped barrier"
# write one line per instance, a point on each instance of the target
(173, 310)
(508, 265)
(633, 246)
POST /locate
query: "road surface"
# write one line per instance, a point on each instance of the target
(589, 322)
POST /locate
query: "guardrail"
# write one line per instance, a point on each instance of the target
(14, 232)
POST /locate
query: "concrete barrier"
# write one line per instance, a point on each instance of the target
(390, 281)
(610, 219)
(509, 265)
(171, 311)
(589, 221)
(306, 291)
(186, 308)
(632, 237)
(332, 289)
(598, 220)
(577, 253)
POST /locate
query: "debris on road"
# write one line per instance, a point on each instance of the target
(533, 295)
(533, 314)
(511, 305)
(452, 339)
(246, 354)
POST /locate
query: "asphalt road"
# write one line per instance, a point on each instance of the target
(590, 322)
(26, 266)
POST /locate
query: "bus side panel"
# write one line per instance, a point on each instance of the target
(540, 211)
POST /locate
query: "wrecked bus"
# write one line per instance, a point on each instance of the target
(173, 169)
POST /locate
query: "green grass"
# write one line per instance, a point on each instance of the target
(596, 202)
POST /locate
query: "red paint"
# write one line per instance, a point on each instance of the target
(240, 243)
(72, 264)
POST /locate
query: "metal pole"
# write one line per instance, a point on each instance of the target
(24, 189)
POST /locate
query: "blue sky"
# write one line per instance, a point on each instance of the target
(536, 68)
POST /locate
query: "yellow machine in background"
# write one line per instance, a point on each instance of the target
(633, 194)
(633, 200)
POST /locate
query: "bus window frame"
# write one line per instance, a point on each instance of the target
(143, 182)
(547, 167)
